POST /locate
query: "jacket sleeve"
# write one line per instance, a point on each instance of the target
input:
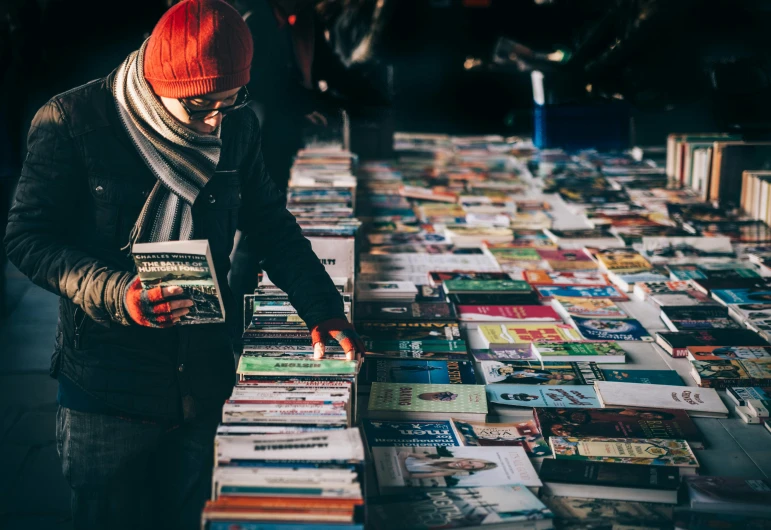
(39, 238)
(286, 254)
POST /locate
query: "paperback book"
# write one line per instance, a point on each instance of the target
(452, 467)
(676, 343)
(415, 371)
(726, 373)
(520, 333)
(610, 292)
(699, 402)
(639, 451)
(506, 313)
(569, 307)
(409, 433)
(538, 373)
(649, 377)
(523, 434)
(627, 329)
(541, 277)
(404, 401)
(720, 353)
(597, 352)
(580, 396)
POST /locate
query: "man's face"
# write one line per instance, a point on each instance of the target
(210, 101)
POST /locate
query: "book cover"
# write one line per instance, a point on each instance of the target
(579, 396)
(452, 467)
(457, 508)
(627, 329)
(676, 343)
(604, 513)
(684, 272)
(718, 353)
(409, 433)
(627, 280)
(587, 307)
(519, 333)
(732, 495)
(537, 373)
(416, 371)
(663, 287)
(619, 423)
(523, 434)
(683, 298)
(506, 313)
(725, 373)
(185, 264)
(416, 397)
(438, 278)
(695, 400)
(249, 365)
(396, 311)
(505, 352)
(415, 346)
(650, 377)
(684, 249)
(420, 331)
(541, 277)
(577, 351)
(610, 292)
(639, 451)
(621, 475)
(485, 286)
(743, 296)
(621, 259)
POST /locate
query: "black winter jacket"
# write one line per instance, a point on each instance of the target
(80, 192)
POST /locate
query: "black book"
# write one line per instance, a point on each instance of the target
(603, 480)
(689, 318)
(676, 343)
(493, 299)
(404, 311)
(728, 282)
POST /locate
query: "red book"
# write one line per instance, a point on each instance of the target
(507, 313)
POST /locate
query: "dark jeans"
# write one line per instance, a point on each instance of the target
(134, 474)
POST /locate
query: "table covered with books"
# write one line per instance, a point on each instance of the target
(553, 340)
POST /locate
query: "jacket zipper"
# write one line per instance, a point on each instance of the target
(78, 326)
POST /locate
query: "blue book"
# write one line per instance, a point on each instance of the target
(576, 396)
(651, 377)
(409, 433)
(416, 371)
(607, 291)
(609, 329)
(742, 296)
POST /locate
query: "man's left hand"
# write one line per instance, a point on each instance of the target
(343, 332)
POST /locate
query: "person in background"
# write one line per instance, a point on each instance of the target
(163, 148)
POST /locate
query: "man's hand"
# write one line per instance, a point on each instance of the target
(157, 307)
(342, 331)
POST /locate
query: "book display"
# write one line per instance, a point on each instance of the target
(569, 372)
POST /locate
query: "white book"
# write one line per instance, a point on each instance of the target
(331, 446)
(699, 402)
(454, 467)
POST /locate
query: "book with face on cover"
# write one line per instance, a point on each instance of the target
(698, 402)
(520, 333)
(185, 264)
(497, 508)
(452, 467)
(523, 434)
(578, 396)
(728, 373)
(537, 373)
(640, 451)
(727, 353)
(405, 401)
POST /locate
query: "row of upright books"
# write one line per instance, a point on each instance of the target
(510, 301)
(288, 455)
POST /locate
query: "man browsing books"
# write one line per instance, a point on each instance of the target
(162, 149)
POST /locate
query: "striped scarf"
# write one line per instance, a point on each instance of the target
(181, 159)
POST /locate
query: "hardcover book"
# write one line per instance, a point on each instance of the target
(611, 480)
(185, 264)
(452, 467)
(416, 371)
(537, 373)
(497, 508)
(506, 313)
(409, 433)
(415, 400)
(627, 329)
(523, 434)
(620, 423)
(519, 333)
(598, 352)
(677, 343)
(697, 401)
(639, 451)
(579, 396)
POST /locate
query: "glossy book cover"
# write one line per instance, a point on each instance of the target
(417, 397)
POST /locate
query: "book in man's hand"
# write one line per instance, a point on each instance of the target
(185, 264)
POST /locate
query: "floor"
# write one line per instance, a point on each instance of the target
(33, 493)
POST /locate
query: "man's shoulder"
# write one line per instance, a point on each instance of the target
(87, 107)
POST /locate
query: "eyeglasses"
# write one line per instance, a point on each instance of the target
(242, 99)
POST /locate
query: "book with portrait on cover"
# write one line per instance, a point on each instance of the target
(185, 264)
(405, 401)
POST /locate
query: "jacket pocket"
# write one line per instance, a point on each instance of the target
(217, 208)
(117, 203)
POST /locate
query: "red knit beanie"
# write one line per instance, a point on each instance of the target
(198, 47)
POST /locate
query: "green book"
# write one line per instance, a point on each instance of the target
(436, 346)
(487, 286)
(427, 401)
(249, 365)
(598, 352)
(643, 451)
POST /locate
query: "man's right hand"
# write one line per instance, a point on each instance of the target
(157, 307)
